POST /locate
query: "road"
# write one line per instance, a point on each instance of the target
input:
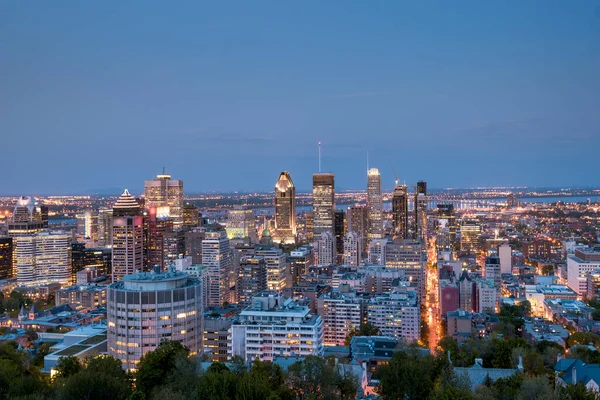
(432, 300)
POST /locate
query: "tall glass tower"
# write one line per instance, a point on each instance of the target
(285, 209)
(374, 205)
(323, 202)
(166, 192)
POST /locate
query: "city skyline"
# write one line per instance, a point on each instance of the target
(484, 94)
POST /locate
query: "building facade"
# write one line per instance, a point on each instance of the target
(285, 209)
(166, 192)
(323, 203)
(127, 237)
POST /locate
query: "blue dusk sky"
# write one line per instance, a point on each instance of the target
(226, 94)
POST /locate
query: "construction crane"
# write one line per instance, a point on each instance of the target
(394, 169)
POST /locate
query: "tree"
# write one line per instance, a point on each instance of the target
(155, 367)
(533, 364)
(67, 366)
(502, 357)
(548, 269)
(93, 386)
(584, 338)
(536, 388)
(366, 329)
(409, 376)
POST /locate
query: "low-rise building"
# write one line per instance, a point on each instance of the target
(82, 296)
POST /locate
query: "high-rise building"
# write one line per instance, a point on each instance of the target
(420, 229)
(299, 260)
(127, 237)
(326, 249)
(191, 216)
(374, 205)
(100, 259)
(251, 279)
(27, 218)
(377, 248)
(341, 313)
(470, 237)
(356, 221)
(6, 258)
(240, 224)
(309, 225)
(43, 258)
(105, 221)
(339, 230)
(193, 244)
(285, 209)
(166, 192)
(400, 211)
(77, 259)
(168, 306)
(276, 263)
(157, 224)
(584, 261)
(465, 292)
(505, 254)
(323, 202)
(275, 326)
(446, 212)
(352, 249)
(396, 315)
(408, 255)
(216, 257)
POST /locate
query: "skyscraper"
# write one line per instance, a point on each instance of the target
(105, 221)
(27, 217)
(191, 216)
(470, 237)
(327, 249)
(352, 249)
(6, 258)
(339, 230)
(276, 262)
(400, 211)
(216, 256)
(420, 229)
(285, 209)
(446, 212)
(240, 224)
(251, 279)
(323, 202)
(374, 205)
(356, 221)
(43, 258)
(166, 192)
(158, 223)
(127, 237)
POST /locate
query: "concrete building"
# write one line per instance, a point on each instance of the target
(352, 249)
(505, 255)
(43, 258)
(323, 202)
(396, 314)
(82, 296)
(215, 339)
(145, 308)
(275, 326)
(581, 263)
(127, 237)
(341, 312)
(251, 279)
(241, 224)
(326, 249)
(374, 205)
(276, 263)
(356, 221)
(166, 192)
(216, 257)
(400, 211)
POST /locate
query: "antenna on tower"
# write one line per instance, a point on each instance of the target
(394, 169)
(319, 157)
(163, 170)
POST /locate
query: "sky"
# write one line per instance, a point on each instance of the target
(226, 95)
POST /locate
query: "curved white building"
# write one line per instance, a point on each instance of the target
(145, 308)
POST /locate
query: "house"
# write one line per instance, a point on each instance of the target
(477, 374)
(574, 371)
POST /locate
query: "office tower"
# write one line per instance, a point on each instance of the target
(216, 257)
(352, 249)
(27, 217)
(470, 237)
(356, 221)
(77, 259)
(100, 259)
(396, 315)
(87, 228)
(505, 254)
(420, 229)
(276, 263)
(251, 279)
(339, 229)
(465, 292)
(299, 261)
(374, 205)
(341, 313)
(166, 192)
(309, 225)
(169, 307)
(377, 249)
(285, 209)
(584, 261)
(446, 213)
(491, 271)
(43, 258)
(191, 216)
(408, 255)
(127, 237)
(400, 211)
(193, 244)
(157, 224)
(297, 330)
(173, 246)
(327, 249)
(323, 202)
(6, 258)
(240, 224)
(105, 220)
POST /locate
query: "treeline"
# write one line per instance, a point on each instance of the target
(170, 373)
